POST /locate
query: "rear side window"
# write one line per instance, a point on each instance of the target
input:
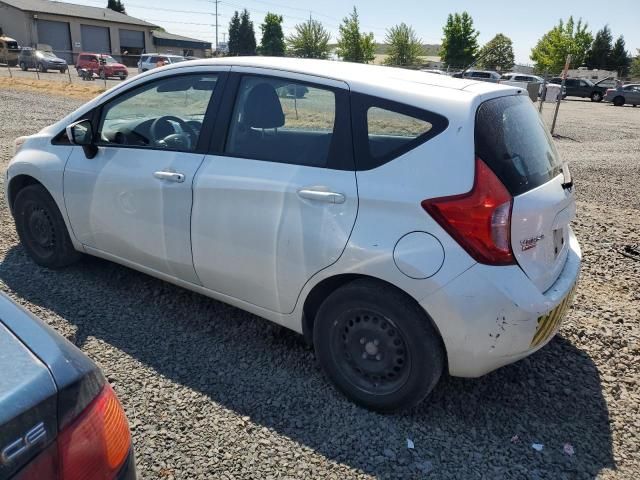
(384, 130)
(511, 138)
(279, 120)
(390, 131)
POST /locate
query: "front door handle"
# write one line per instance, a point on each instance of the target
(321, 195)
(169, 176)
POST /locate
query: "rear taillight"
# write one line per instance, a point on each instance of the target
(96, 444)
(479, 220)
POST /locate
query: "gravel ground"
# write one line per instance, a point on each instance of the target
(213, 392)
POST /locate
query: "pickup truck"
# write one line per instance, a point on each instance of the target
(59, 417)
(583, 88)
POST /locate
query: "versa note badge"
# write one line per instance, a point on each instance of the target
(529, 243)
(22, 445)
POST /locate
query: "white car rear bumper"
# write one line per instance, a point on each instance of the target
(492, 316)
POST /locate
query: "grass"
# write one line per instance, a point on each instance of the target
(82, 92)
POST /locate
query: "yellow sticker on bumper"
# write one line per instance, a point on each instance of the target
(549, 323)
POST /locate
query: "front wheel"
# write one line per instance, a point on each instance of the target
(377, 346)
(23, 66)
(41, 68)
(41, 228)
(596, 97)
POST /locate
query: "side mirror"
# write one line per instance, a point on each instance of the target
(81, 133)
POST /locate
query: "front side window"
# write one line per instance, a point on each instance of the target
(279, 120)
(165, 114)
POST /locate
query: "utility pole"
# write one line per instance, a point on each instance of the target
(216, 14)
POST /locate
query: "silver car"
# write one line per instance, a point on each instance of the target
(628, 94)
(149, 61)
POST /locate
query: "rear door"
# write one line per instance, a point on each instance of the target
(277, 201)
(513, 141)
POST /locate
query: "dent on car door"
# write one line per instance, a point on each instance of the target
(133, 200)
(277, 203)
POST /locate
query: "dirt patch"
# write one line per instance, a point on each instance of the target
(83, 92)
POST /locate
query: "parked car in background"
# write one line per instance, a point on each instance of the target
(149, 61)
(627, 95)
(9, 50)
(41, 60)
(521, 77)
(583, 88)
(470, 266)
(59, 417)
(482, 75)
(103, 65)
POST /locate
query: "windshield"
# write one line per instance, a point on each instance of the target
(178, 59)
(109, 59)
(513, 141)
(46, 55)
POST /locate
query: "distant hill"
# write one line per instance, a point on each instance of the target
(429, 49)
(381, 49)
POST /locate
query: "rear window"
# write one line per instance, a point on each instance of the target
(513, 141)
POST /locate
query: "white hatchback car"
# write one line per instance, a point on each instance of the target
(405, 223)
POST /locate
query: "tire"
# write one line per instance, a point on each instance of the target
(63, 70)
(41, 228)
(122, 77)
(41, 68)
(377, 346)
(23, 66)
(618, 101)
(596, 97)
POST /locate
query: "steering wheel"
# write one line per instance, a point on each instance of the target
(181, 140)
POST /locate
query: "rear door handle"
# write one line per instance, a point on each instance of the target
(169, 176)
(321, 195)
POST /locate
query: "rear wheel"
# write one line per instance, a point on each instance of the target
(377, 346)
(596, 97)
(41, 228)
(618, 101)
(23, 66)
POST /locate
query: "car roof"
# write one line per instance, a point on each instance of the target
(352, 73)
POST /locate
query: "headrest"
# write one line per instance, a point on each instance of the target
(262, 108)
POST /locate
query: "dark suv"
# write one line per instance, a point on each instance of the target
(41, 60)
(583, 88)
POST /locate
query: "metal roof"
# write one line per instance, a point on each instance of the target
(170, 39)
(73, 10)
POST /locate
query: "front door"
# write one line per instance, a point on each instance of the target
(278, 204)
(133, 199)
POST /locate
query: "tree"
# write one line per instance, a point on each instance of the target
(234, 34)
(309, 40)
(552, 49)
(497, 54)
(354, 46)
(635, 66)
(116, 5)
(247, 35)
(272, 43)
(600, 52)
(404, 46)
(619, 59)
(460, 42)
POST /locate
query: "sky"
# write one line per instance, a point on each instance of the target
(523, 21)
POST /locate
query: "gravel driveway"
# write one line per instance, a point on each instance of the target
(213, 392)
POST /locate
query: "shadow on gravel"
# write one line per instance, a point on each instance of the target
(464, 430)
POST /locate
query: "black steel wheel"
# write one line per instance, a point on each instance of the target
(618, 101)
(41, 228)
(378, 346)
(596, 97)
